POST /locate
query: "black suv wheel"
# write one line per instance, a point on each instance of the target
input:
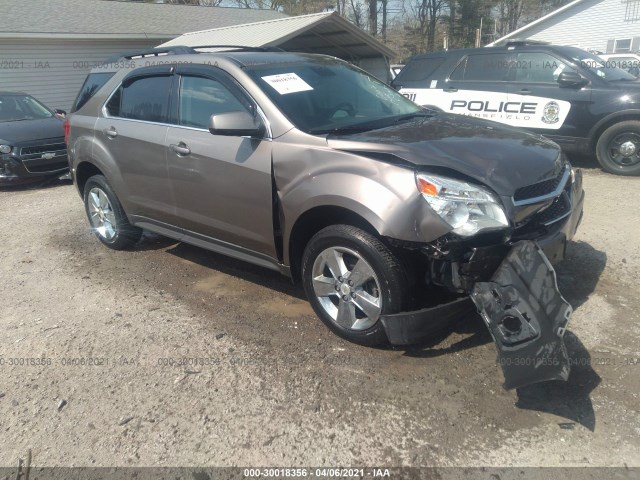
(351, 278)
(618, 148)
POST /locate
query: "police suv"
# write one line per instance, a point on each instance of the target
(567, 94)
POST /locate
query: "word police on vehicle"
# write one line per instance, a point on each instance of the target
(575, 98)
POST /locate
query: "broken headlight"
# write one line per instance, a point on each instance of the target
(469, 209)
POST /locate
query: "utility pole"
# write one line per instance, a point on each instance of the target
(479, 34)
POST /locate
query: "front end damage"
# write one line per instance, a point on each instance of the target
(509, 280)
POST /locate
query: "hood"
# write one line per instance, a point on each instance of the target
(23, 131)
(501, 157)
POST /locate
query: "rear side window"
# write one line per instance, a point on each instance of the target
(419, 69)
(482, 68)
(90, 87)
(145, 98)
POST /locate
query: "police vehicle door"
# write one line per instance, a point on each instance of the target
(545, 106)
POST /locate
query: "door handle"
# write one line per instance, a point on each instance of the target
(180, 149)
(110, 132)
(524, 91)
(450, 90)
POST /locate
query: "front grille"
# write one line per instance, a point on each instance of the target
(50, 157)
(560, 208)
(38, 150)
(539, 189)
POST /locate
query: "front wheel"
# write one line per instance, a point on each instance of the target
(618, 148)
(351, 278)
(106, 215)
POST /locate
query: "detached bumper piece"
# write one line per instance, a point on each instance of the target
(527, 317)
(410, 328)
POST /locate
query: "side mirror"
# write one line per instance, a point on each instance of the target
(237, 124)
(571, 80)
(60, 113)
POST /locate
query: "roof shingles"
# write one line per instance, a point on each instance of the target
(115, 17)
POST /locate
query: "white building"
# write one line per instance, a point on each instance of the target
(609, 26)
(48, 46)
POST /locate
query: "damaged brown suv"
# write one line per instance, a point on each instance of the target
(395, 218)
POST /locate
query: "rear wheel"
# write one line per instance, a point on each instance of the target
(351, 278)
(106, 216)
(618, 148)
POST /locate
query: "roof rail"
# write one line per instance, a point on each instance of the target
(242, 48)
(524, 43)
(150, 52)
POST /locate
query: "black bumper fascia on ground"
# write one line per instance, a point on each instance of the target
(409, 328)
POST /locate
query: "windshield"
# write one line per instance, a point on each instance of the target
(605, 70)
(322, 97)
(14, 108)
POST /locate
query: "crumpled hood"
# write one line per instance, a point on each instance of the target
(15, 133)
(501, 157)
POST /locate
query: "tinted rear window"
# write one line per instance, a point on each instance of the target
(419, 69)
(145, 98)
(482, 68)
(90, 87)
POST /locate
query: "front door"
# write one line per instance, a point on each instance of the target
(551, 110)
(222, 184)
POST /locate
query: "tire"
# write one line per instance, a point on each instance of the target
(611, 152)
(106, 216)
(378, 284)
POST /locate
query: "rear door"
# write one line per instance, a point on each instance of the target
(222, 184)
(132, 133)
(546, 107)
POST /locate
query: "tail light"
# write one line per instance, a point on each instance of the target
(67, 129)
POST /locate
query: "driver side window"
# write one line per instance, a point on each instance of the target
(538, 67)
(201, 97)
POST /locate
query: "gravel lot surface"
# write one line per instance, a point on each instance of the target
(103, 332)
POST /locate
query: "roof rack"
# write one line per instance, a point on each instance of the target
(524, 43)
(242, 48)
(182, 50)
(150, 52)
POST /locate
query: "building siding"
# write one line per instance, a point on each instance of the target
(53, 70)
(590, 24)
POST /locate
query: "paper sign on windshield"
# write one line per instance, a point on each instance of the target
(285, 83)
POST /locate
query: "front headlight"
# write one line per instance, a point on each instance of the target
(469, 209)
(5, 148)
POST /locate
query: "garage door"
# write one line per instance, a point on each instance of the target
(53, 70)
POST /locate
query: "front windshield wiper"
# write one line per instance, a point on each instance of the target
(411, 116)
(357, 128)
(623, 80)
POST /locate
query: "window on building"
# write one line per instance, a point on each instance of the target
(622, 46)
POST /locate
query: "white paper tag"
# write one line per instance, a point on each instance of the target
(285, 83)
(434, 84)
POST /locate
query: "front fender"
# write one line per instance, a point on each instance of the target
(383, 194)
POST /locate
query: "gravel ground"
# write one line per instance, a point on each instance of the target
(105, 331)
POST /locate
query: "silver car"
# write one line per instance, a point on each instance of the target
(387, 213)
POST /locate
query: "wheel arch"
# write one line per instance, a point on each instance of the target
(598, 129)
(84, 171)
(315, 219)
